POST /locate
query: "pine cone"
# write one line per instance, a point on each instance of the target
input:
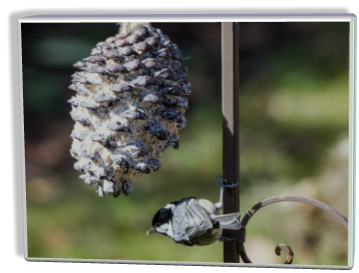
(128, 107)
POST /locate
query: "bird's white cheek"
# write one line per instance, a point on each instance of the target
(169, 230)
(166, 228)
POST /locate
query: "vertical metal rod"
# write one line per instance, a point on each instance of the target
(230, 110)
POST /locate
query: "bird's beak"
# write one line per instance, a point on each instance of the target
(150, 231)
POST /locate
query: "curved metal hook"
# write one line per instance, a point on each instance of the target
(281, 247)
(337, 215)
(289, 253)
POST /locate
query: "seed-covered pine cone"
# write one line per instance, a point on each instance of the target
(130, 102)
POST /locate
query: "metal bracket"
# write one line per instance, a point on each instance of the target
(239, 235)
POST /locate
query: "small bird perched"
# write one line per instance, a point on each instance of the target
(190, 221)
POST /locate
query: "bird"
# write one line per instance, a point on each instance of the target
(191, 221)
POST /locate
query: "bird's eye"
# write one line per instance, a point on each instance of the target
(157, 225)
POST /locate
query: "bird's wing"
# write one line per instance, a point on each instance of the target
(189, 221)
(198, 221)
(228, 221)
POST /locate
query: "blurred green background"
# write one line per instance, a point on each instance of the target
(294, 107)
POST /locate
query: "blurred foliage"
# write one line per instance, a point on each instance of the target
(293, 140)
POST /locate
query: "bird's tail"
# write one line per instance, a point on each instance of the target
(228, 221)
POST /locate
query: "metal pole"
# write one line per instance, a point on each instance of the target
(230, 110)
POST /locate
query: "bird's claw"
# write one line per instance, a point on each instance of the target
(224, 183)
